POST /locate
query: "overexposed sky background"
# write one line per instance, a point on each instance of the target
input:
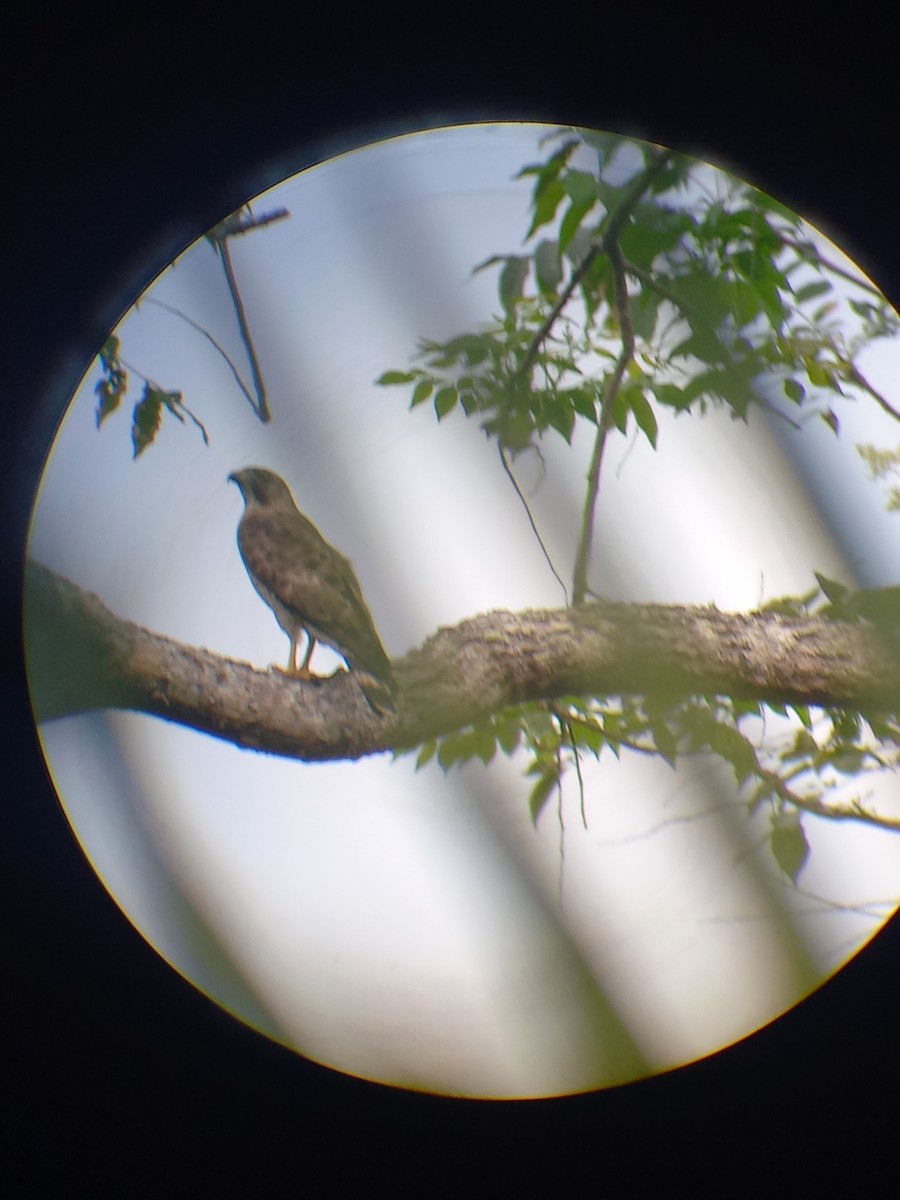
(408, 927)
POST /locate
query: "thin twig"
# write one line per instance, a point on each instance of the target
(239, 225)
(860, 380)
(803, 249)
(559, 808)
(613, 383)
(178, 313)
(261, 407)
(512, 479)
(577, 759)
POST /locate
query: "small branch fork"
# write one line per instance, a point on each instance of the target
(607, 243)
(234, 226)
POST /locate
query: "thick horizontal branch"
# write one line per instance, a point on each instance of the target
(81, 657)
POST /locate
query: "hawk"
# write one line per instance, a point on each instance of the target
(310, 586)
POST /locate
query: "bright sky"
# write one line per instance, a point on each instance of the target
(408, 927)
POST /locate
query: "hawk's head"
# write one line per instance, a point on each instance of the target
(259, 486)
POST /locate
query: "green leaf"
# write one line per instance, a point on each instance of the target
(552, 167)
(771, 300)
(836, 592)
(745, 301)
(445, 401)
(644, 313)
(580, 186)
(672, 396)
(472, 348)
(830, 419)
(731, 745)
(578, 244)
(485, 744)
(388, 378)
(109, 352)
(849, 760)
(620, 410)
(823, 311)
(773, 206)
(561, 417)
(847, 724)
(794, 390)
(509, 735)
(548, 270)
(819, 374)
(726, 383)
(788, 843)
(606, 144)
(654, 231)
(584, 402)
(643, 414)
(803, 715)
(704, 299)
(666, 742)
(761, 792)
(547, 197)
(458, 748)
(426, 754)
(703, 344)
(112, 387)
(146, 419)
(804, 745)
(810, 290)
(881, 606)
(421, 392)
(511, 285)
(540, 793)
(488, 262)
(570, 226)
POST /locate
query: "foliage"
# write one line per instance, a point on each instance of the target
(721, 290)
(147, 414)
(883, 464)
(659, 283)
(792, 771)
(155, 401)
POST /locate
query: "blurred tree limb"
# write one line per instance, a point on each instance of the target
(81, 657)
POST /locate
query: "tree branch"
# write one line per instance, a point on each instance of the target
(261, 407)
(601, 245)
(81, 658)
(610, 391)
(209, 337)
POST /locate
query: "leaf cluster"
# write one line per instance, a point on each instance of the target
(657, 282)
(883, 464)
(792, 777)
(146, 416)
(725, 294)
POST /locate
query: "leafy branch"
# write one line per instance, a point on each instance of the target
(730, 296)
(883, 464)
(148, 411)
(146, 417)
(236, 225)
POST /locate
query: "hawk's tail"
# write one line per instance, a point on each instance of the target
(377, 693)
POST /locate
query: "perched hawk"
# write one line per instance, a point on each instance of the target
(309, 586)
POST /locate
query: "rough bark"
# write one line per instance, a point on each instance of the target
(81, 657)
